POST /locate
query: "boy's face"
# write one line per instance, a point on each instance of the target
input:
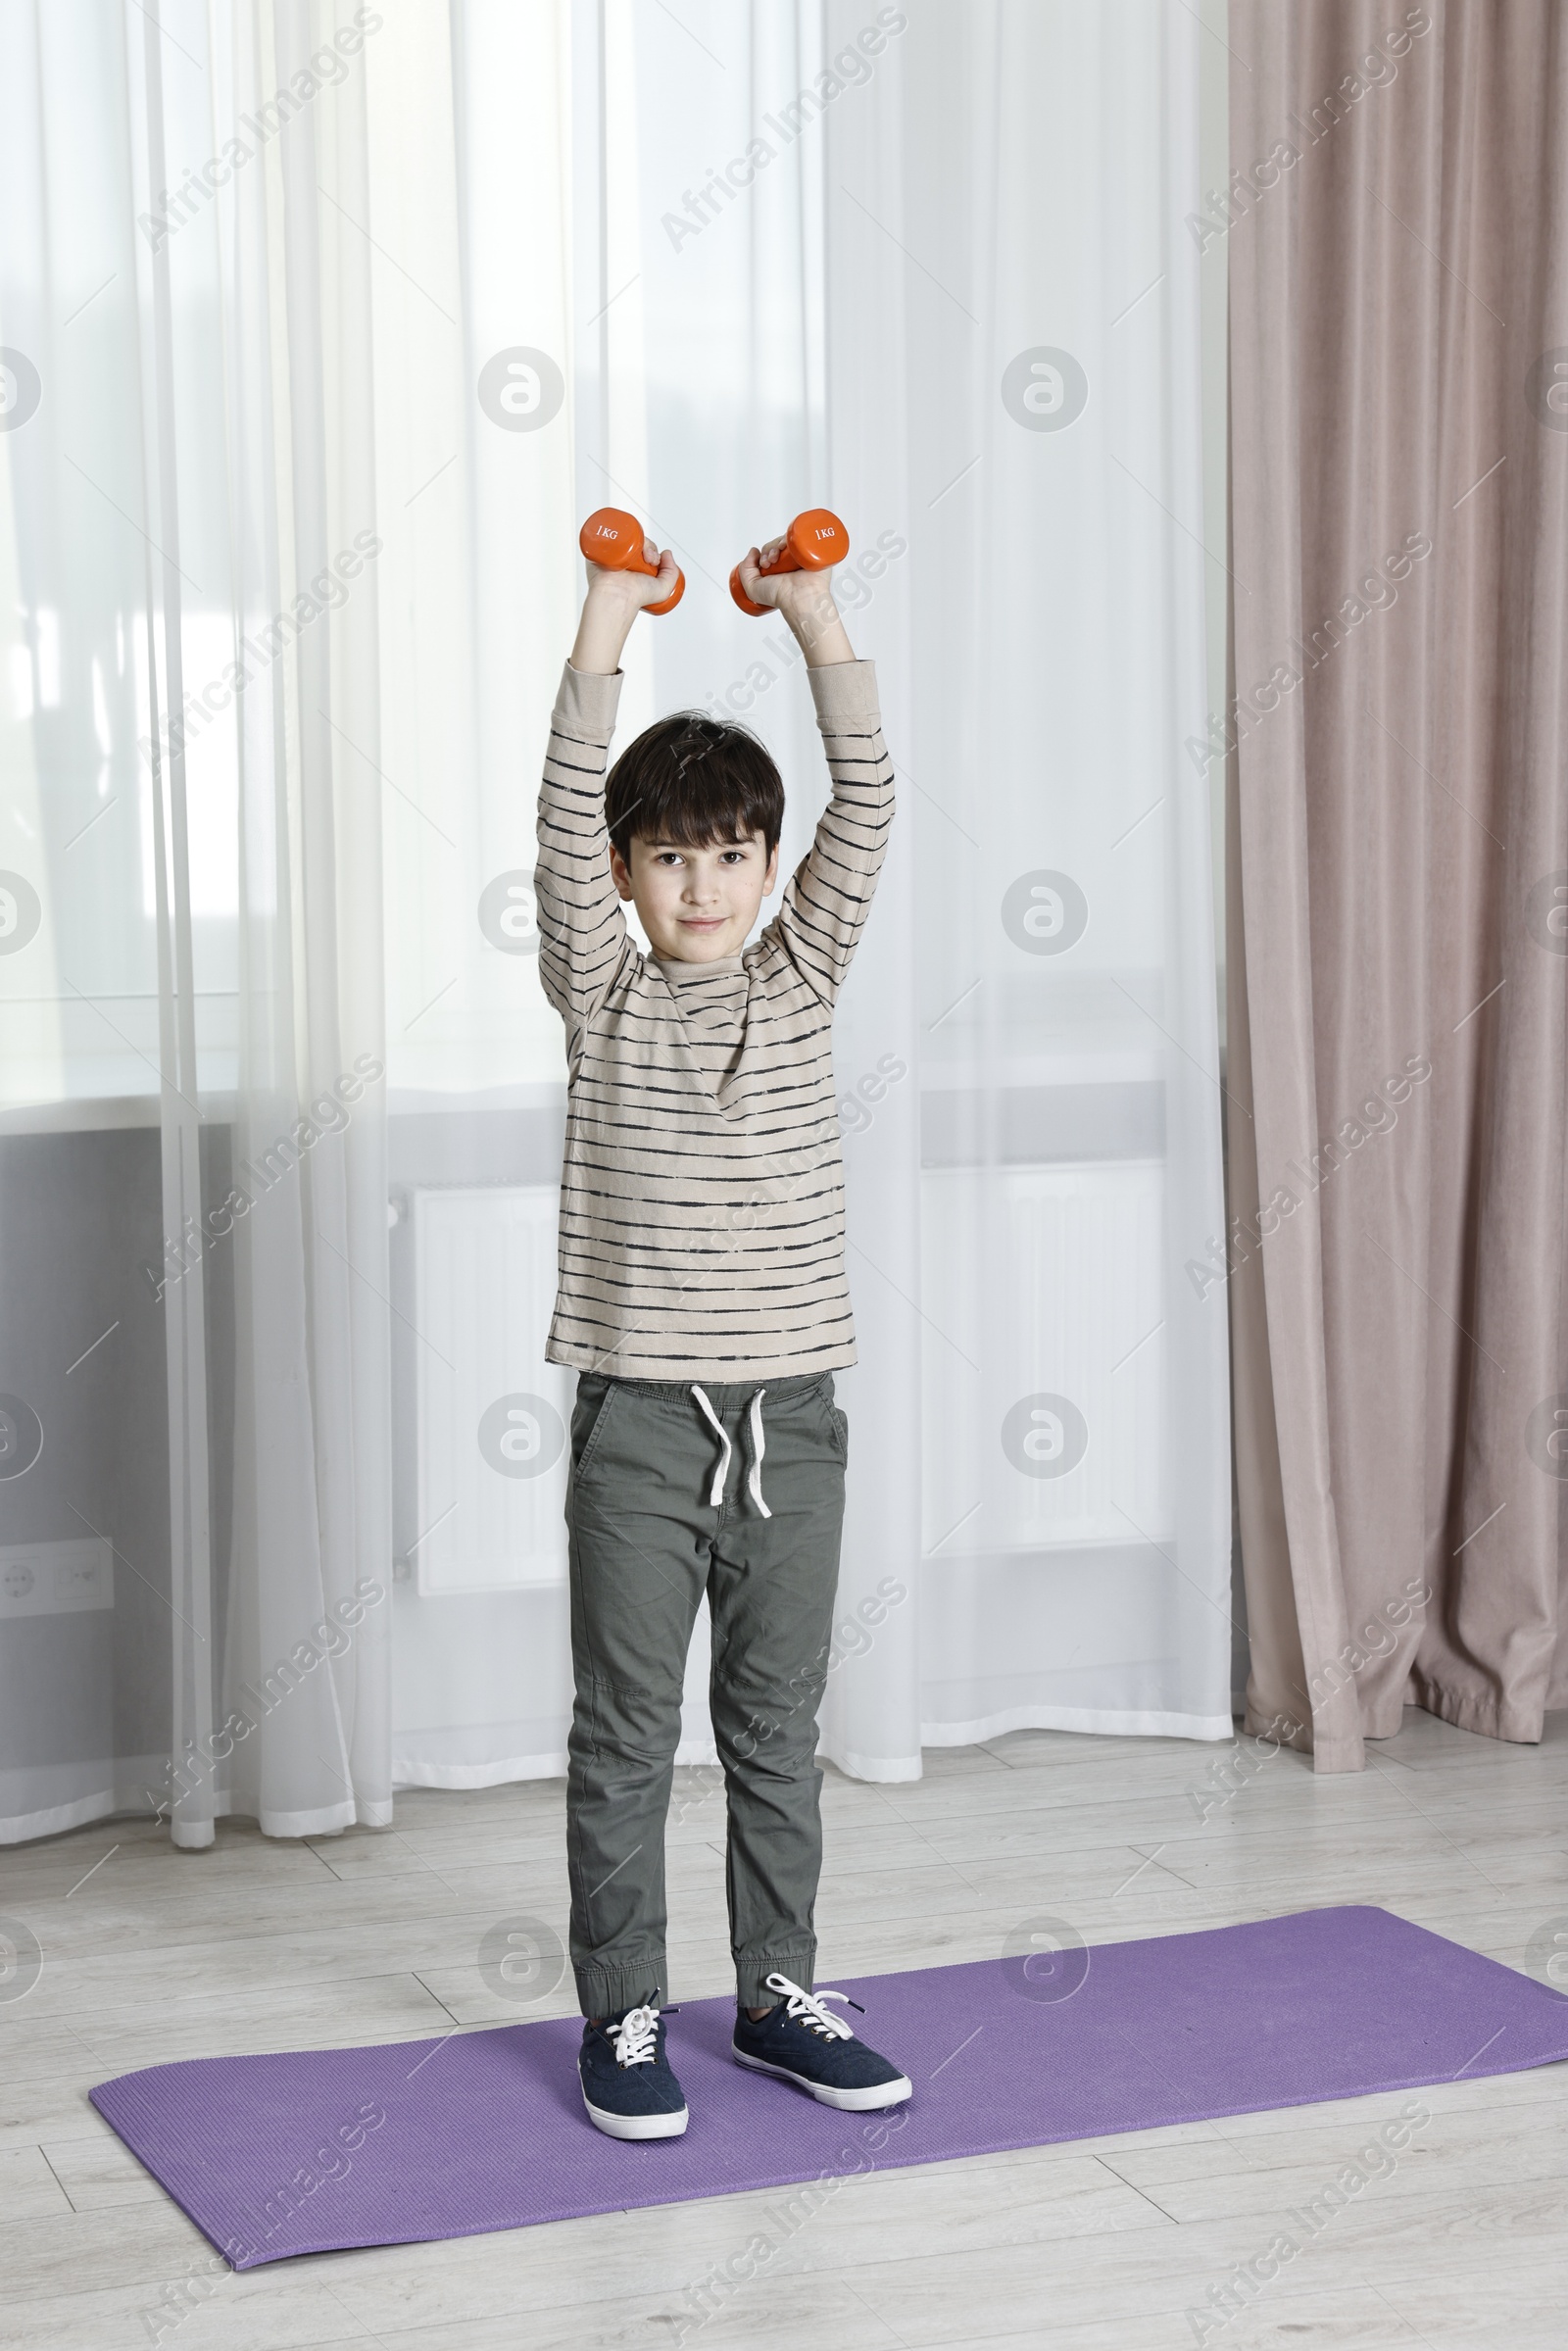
(696, 904)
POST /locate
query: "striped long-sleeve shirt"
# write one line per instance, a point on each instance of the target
(702, 1196)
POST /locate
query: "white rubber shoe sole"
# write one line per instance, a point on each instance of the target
(634, 2125)
(848, 2101)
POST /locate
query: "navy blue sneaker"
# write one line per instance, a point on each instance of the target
(802, 2041)
(627, 2086)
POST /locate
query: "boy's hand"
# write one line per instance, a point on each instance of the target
(803, 598)
(612, 603)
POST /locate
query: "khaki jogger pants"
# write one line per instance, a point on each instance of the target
(654, 1524)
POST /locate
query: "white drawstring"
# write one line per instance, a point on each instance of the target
(806, 2008)
(716, 1496)
(753, 1479)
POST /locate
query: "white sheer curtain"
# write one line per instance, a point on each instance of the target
(942, 199)
(196, 1561)
(1024, 383)
(500, 266)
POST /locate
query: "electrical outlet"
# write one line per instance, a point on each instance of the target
(56, 1579)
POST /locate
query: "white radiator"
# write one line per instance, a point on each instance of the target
(1050, 1280)
(492, 1415)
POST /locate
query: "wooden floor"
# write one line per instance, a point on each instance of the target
(1105, 2244)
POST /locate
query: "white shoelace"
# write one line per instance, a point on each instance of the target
(753, 1479)
(636, 2036)
(806, 2008)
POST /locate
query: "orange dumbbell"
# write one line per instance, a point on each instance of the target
(813, 541)
(614, 539)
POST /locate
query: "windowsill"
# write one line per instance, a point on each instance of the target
(96, 1113)
(89, 1114)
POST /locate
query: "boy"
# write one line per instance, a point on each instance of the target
(703, 1301)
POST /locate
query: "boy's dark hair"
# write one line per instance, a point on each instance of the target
(691, 779)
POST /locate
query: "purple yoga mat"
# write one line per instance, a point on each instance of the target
(314, 2151)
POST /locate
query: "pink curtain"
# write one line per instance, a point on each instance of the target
(1397, 744)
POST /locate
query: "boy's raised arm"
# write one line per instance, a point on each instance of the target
(582, 932)
(829, 894)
